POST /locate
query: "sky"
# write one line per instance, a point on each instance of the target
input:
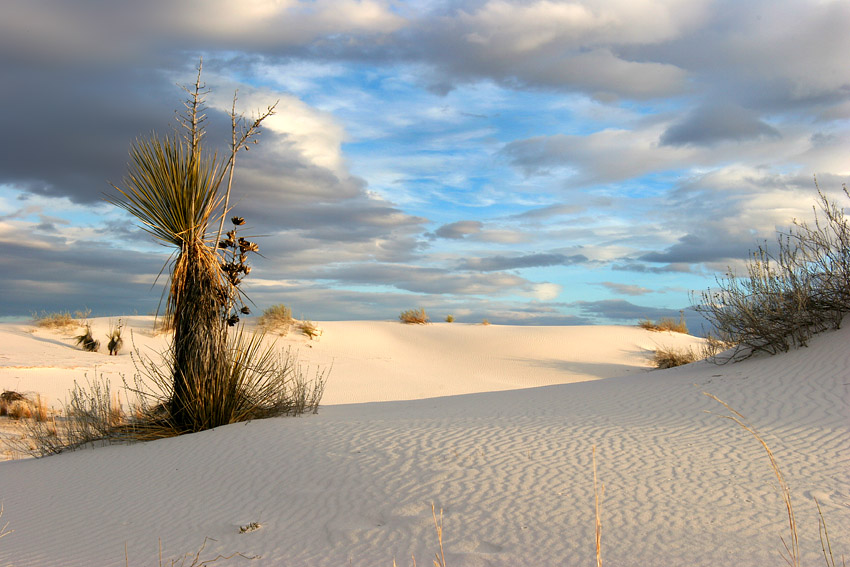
(528, 162)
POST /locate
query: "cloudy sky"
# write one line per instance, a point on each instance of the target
(531, 162)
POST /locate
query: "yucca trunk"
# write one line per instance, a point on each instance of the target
(200, 338)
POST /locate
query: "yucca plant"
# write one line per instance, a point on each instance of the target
(172, 188)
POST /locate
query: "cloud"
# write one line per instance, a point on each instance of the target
(549, 211)
(712, 124)
(626, 289)
(460, 229)
(587, 159)
(434, 280)
(499, 263)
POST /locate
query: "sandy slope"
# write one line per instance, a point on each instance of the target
(510, 468)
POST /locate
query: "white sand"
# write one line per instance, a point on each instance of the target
(510, 467)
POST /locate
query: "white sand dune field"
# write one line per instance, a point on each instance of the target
(494, 425)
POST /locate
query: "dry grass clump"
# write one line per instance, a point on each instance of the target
(485, 322)
(414, 316)
(668, 357)
(60, 319)
(789, 295)
(4, 529)
(17, 406)
(276, 319)
(791, 555)
(309, 329)
(450, 318)
(665, 324)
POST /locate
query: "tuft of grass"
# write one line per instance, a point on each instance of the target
(414, 316)
(669, 357)
(597, 494)
(485, 322)
(310, 329)
(57, 320)
(276, 319)
(7, 398)
(450, 318)
(4, 529)
(791, 555)
(665, 324)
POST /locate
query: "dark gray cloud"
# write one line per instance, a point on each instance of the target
(499, 263)
(715, 123)
(703, 247)
(52, 274)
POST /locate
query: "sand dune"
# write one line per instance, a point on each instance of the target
(510, 467)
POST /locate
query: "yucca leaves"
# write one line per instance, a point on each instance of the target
(171, 190)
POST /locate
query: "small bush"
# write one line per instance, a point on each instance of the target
(414, 316)
(276, 319)
(665, 324)
(485, 322)
(671, 357)
(7, 398)
(59, 320)
(789, 295)
(450, 318)
(309, 329)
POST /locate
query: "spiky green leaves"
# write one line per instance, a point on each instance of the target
(171, 190)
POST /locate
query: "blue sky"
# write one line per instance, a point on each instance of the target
(529, 162)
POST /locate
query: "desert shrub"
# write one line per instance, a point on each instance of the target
(450, 318)
(276, 319)
(57, 320)
(414, 316)
(666, 324)
(86, 341)
(485, 322)
(8, 398)
(667, 357)
(789, 295)
(309, 328)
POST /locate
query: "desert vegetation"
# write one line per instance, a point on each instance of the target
(799, 288)
(60, 319)
(665, 324)
(276, 319)
(213, 373)
(414, 316)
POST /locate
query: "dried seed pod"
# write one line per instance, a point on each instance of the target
(232, 320)
(238, 221)
(245, 310)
